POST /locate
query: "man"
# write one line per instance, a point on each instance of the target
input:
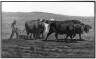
(14, 29)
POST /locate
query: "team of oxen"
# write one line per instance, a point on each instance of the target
(69, 28)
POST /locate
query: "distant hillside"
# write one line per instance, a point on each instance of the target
(43, 15)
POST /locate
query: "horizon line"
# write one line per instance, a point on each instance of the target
(43, 12)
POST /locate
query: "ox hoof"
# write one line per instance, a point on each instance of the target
(65, 40)
(57, 40)
(45, 40)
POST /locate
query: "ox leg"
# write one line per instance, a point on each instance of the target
(80, 36)
(28, 35)
(66, 38)
(42, 35)
(34, 35)
(74, 35)
(71, 37)
(56, 35)
(39, 34)
(50, 32)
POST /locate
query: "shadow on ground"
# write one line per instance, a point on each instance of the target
(67, 40)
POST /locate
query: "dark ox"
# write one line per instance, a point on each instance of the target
(61, 27)
(34, 27)
(79, 27)
(87, 27)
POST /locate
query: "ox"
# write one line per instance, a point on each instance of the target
(34, 27)
(79, 27)
(61, 27)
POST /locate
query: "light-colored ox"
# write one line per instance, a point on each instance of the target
(47, 25)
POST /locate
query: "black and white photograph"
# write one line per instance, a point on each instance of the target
(35, 29)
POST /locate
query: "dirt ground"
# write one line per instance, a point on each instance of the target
(38, 48)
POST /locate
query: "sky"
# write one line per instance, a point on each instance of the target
(64, 8)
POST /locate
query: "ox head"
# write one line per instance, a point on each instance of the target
(87, 27)
(50, 20)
